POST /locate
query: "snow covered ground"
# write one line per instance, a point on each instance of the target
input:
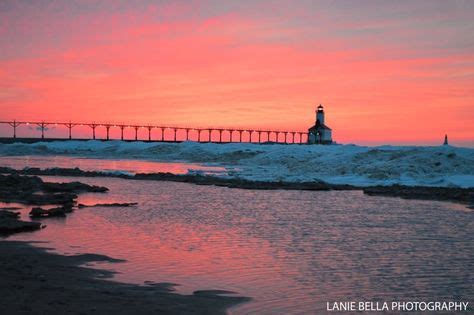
(345, 164)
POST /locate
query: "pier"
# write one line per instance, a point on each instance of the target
(156, 133)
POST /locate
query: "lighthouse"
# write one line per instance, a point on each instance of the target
(319, 133)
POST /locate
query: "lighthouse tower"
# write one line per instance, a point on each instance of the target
(320, 114)
(319, 133)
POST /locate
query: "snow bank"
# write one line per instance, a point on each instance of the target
(348, 164)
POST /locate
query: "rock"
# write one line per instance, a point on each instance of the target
(68, 208)
(9, 214)
(32, 190)
(463, 195)
(38, 212)
(57, 212)
(49, 199)
(10, 225)
(126, 204)
(198, 179)
(72, 187)
(212, 292)
(20, 182)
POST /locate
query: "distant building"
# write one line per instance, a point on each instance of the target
(445, 140)
(319, 133)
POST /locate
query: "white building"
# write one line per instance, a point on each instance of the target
(319, 133)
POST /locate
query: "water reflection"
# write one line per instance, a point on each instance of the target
(92, 164)
(290, 250)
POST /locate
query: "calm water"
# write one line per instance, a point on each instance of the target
(291, 251)
(111, 165)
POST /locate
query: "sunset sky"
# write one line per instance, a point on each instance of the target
(394, 72)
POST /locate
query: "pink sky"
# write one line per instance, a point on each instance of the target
(386, 71)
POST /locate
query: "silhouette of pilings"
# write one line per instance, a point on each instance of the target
(42, 125)
(93, 127)
(216, 135)
(69, 126)
(14, 124)
(150, 128)
(107, 130)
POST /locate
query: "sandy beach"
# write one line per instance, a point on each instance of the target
(37, 282)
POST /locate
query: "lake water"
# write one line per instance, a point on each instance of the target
(108, 165)
(291, 251)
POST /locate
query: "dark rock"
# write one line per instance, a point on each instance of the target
(185, 178)
(32, 190)
(48, 199)
(235, 182)
(212, 292)
(22, 183)
(417, 192)
(68, 207)
(10, 225)
(57, 212)
(9, 214)
(463, 195)
(38, 212)
(127, 204)
(73, 187)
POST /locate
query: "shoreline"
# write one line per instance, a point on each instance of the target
(451, 194)
(35, 281)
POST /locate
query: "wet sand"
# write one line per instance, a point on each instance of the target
(34, 281)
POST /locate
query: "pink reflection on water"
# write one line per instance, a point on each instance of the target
(195, 256)
(91, 164)
(289, 250)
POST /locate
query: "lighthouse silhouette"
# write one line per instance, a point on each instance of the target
(320, 133)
